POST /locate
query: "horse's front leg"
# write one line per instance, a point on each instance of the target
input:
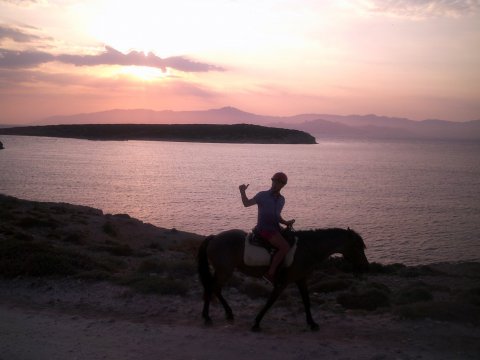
(277, 290)
(302, 286)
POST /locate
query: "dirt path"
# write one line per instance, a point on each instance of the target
(46, 334)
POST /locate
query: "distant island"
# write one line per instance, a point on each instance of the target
(238, 133)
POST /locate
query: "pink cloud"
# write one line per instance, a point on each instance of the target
(25, 59)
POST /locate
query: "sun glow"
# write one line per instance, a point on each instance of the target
(141, 26)
(145, 73)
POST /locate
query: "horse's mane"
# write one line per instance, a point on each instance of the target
(329, 232)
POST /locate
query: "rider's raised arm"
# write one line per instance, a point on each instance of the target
(245, 200)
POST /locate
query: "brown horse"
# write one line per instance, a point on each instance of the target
(224, 252)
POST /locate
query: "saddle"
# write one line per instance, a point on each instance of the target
(257, 240)
(258, 251)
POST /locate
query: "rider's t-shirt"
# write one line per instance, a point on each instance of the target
(270, 206)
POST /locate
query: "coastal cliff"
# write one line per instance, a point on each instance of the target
(239, 133)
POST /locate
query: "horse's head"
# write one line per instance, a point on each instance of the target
(354, 252)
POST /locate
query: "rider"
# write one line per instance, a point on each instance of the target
(270, 204)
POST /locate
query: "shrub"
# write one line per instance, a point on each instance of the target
(33, 222)
(385, 269)
(74, 238)
(369, 299)
(156, 246)
(412, 294)
(40, 259)
(331, 285)
(109, 229)
(189, 247)
(116, 249)
(422, 270)
(182, 267)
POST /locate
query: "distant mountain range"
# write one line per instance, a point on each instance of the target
(319, 125)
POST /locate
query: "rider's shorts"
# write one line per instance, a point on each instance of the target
(268, 234)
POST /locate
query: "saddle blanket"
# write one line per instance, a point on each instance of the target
(254, 255)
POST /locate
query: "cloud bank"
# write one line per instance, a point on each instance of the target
(29, 58)
(17, 35)
(423, 8)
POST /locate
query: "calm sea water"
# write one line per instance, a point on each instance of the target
(413, 202)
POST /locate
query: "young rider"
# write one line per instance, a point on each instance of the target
(270, 204)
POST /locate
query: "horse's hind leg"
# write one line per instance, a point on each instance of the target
(217, 290)
(228, 309)
(206, 308)
(302, 286)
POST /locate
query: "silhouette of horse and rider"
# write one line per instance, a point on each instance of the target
(224, 253)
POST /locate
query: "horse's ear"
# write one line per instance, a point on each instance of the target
(348, 228)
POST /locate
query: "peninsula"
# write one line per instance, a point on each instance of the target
(238, 133)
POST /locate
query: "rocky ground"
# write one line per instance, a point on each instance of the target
(79, 284)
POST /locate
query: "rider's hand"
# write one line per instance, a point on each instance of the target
(243, 187)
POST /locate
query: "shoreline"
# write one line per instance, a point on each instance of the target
(109, 286)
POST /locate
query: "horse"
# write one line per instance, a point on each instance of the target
(224, 253)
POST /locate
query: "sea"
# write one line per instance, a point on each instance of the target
(413, 201)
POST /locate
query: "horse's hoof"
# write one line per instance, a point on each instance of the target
(230, 318)
(314, 327)
(208, 322)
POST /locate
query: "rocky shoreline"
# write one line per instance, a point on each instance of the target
(110, 286)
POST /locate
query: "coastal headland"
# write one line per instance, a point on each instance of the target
(238, 133)
(78, 283)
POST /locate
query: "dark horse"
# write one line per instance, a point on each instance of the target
(224, 252)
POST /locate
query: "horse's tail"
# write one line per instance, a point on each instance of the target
(206, 277)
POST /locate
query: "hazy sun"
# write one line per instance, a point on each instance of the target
(138, 25)
(144, 73)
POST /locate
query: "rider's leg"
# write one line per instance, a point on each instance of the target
(278, 241)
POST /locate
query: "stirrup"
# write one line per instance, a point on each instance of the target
(268, 279)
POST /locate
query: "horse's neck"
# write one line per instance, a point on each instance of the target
(321, 248)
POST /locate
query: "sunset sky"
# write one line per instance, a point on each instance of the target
(418, 59)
